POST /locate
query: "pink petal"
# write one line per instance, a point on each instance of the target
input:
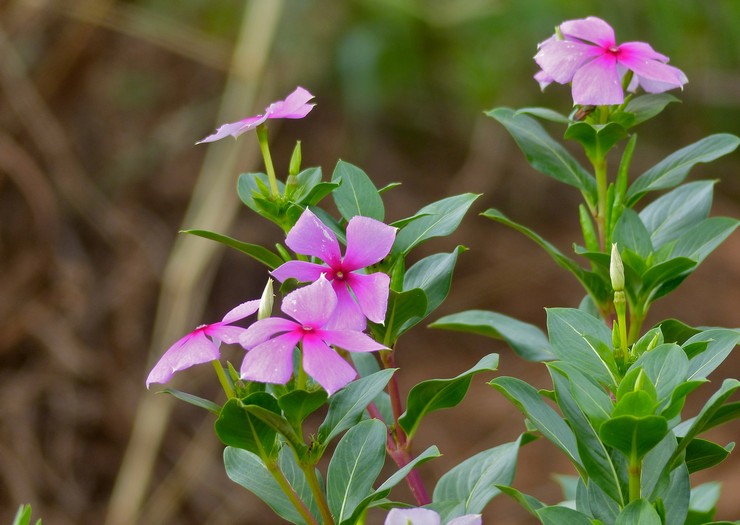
(324, 365)
(294, 106)
(262, 330)
(589, 29)
(653, 73)
(468, 519)
(640, 50)
(598, 83)
(350, 340)
(193, 349)
(368, 242)
(235, 128)
(272, 361)
(241, 311)
(371, 292)
(417, 516)
(310, 236)
(347, 314)
(543, 79)
(225, 333)
(303, 271)
(312, 305)
(561, 59)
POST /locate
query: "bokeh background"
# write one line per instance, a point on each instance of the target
(100, 104)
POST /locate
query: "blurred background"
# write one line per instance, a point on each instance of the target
(101, 102)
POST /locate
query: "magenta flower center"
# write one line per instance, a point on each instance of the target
(306, 328)
(339, 274)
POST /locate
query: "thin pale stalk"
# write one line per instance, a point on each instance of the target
(313, 483)
(225, 383)
(635, 475)
(599, 165)
(289, 491)
(265, 149)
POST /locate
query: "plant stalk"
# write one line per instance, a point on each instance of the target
(635, 475)
(265, 149)
(599, 165)
(225, 384)
(318, 494)
(291, 493)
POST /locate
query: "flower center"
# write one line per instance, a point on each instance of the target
(339, 275)
(307, 328)
(614, 50)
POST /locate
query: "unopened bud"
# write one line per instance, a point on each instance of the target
(616, 270)
(295, 160)
(266, 301)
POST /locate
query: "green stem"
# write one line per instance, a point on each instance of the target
(635, 475)
(318, 493)
(302, 378)
(599, 165)
(225, 383)
(291, 493)
(265, 148)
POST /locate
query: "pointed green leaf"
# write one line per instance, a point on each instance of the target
(259, 253)
(702, 454)
(594, 285)
(557, 515)
(530, 503)
(630, 433)
(193, 400)
(631, 233)
(548, 422)
(439, 219)
(639, 512)
(544, 114)
(357, 194)
(596, 139)
(436, 394)
(469, 486)
(672, 170)
(298, 404)
(721, 342)
(703, 503)
(433, 274)
(647, 106)
(525, 339)
(545, 154)
(702, 238)
(355, 464)
(667, 366)
(347, 405)
(405, 309)
(236, 427)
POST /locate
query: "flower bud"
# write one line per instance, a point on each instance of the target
(295, 160)
(266, 301)
(616, 270)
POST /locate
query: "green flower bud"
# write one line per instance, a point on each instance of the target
(266, 301)
(616, 270)
(295, 160)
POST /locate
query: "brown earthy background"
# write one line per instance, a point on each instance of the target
(100, 104)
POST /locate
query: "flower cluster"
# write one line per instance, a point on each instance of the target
(331, 311)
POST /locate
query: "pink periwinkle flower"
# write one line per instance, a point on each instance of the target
(360, 295)
(586, 54)
(294, 106)
(421, 516)
(270, 342)
(201, 345)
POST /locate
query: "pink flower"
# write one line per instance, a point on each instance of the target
(294, 106)
(368, 242)
(587, 56)
(271, 341)
(421, 516)
(201, 345)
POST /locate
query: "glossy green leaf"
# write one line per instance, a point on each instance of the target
(583, 341)
(557, 515)
(663, 278)
(703, 504)
(672, 170)
(721, 342)
(639, 512)
(436, 394)
(530, 503)
(248, 470)
(674, 495)
(702, 454)
(259, 253)
(545, 154)
(527, 340)
(405, 309)
(544, 114)
(678, 398)
(638, 404)
(299, 404)
(357, 194)
(647, 106)
(667, 366)
(347, 405)
(433, 275)
(673, 214)
(469, 486)
(238, 428)
(354, 466)
(596, 139)
(631, 233)
(628, 433)
(193, 400)
(548, 422)
(297, 478)
(591, 398)
(594, 285)
(23, 516)
(439, 219)
(305, 181)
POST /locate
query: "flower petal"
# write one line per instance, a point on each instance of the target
(193, 349)
(272, 361)
(561, 59)
(591, 29)
(368, 242)
(468, 519)
(543, 79)
(225, 333)
(294, 106)
(262, 330)
(371, 292)
(416, 516)
(311, 305)
(324, 365)
(310, 236)
(347, 314)
(350, 340)
(654, 75)
(303, 271)
(598, 83)
(235, 128)
(241, 311)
